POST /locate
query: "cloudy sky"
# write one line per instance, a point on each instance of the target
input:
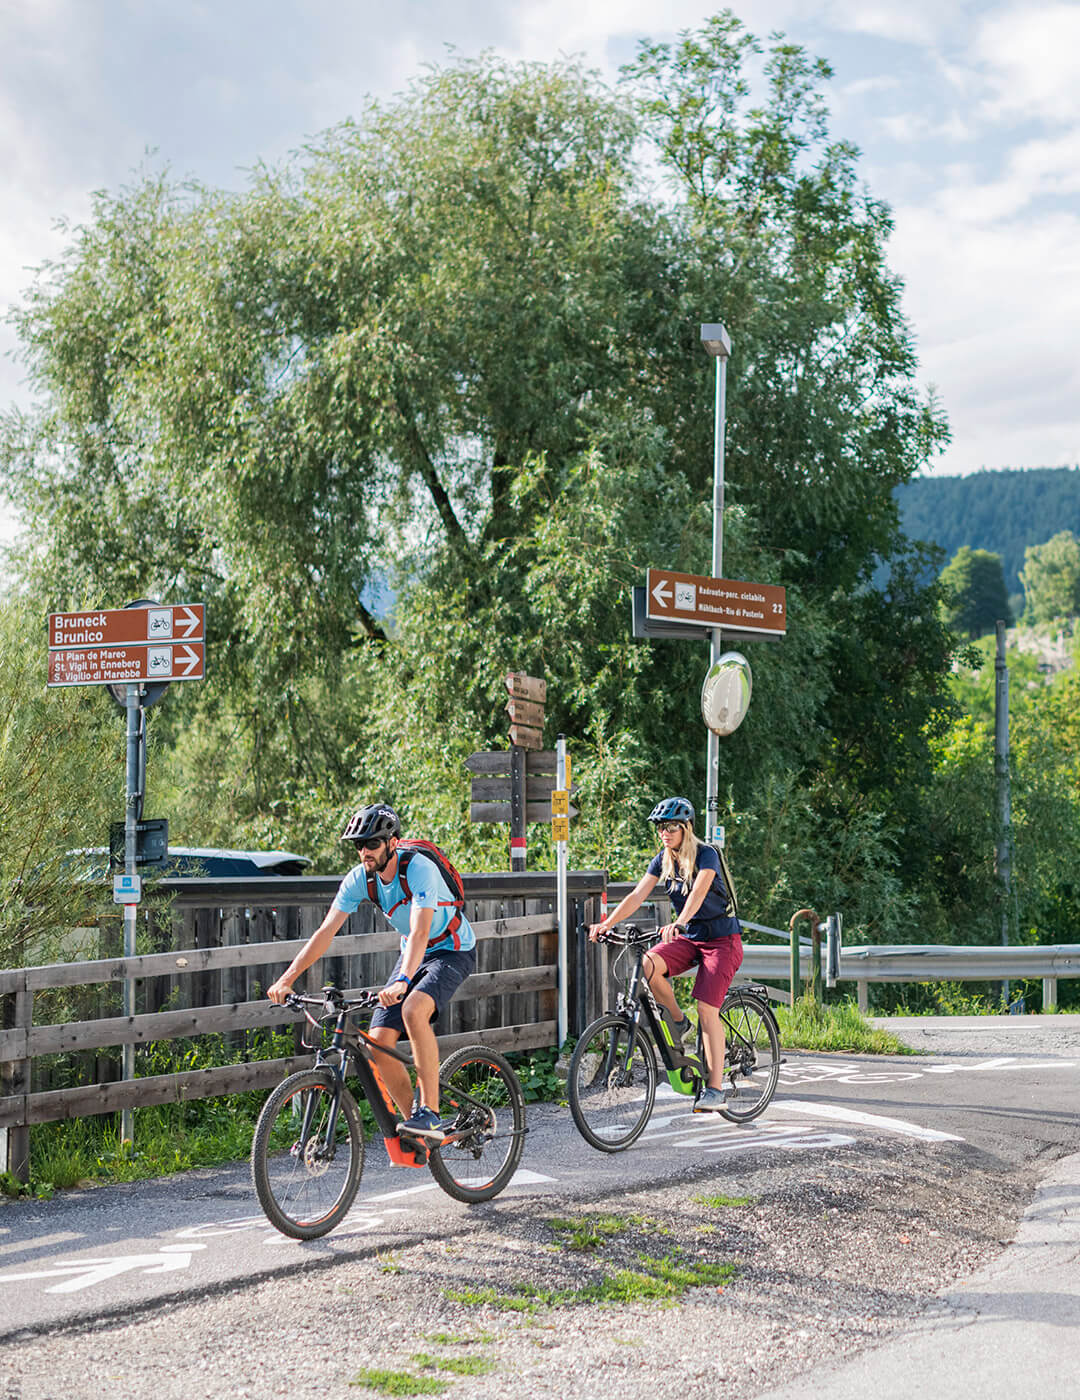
(967, 113)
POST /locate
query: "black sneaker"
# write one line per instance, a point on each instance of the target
(423, 1124)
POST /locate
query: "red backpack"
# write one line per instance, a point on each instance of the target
(405, 851)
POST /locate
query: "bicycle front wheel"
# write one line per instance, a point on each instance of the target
(307, 1154)
(612, 1083)
(752, 1066)
(482, 1099)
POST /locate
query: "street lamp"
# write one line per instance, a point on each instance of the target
(718, 344)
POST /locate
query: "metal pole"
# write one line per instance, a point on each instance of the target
(712, 749)
(518, 847)
(1003, 852)
(131, 809)
(562, 903)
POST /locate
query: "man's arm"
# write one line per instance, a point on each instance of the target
(311, 952)
(413, 954)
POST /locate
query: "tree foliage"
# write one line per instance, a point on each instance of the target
(974, 586)
(1051, 579)
(61, 781)
(452, 346)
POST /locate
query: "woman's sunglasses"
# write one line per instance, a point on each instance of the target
(370, 843)
(669, 826)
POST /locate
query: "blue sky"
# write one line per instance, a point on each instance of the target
(967, 113)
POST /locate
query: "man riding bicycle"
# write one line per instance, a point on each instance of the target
(703, 933)
(438, 951)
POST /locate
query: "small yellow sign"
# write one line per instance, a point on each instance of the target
(567, 762)
(560, 803)
(560, 828)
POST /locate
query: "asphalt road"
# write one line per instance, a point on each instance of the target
(120, 1250)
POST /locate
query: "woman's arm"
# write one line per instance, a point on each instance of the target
(694, 900)
(626, 906)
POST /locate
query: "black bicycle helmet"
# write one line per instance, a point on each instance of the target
(376, 823)
(673, 809)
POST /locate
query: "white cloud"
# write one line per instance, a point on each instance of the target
(1030, 52)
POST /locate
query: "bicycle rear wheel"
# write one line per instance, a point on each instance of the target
(305, 1178)
(482, 1099)
(752, 1066)
(612, 1083)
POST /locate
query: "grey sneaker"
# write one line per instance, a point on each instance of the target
(680, 1030)
(711, 1101)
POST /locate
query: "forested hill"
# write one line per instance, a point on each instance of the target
(1001, 511)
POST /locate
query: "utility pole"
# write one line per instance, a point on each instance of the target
(1003, 849)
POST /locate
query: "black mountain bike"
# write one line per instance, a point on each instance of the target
(612, 1081)
(308, 1151)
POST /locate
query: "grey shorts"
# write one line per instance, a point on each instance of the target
(440, 975)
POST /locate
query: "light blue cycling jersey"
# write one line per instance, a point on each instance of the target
(429, 891)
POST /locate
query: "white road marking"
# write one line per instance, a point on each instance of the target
(84, 1273)
(838, 1112)
(522, 1177)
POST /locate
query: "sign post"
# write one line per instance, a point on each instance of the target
(560, 824)
(135, 651)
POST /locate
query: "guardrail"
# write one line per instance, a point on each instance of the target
(927, 962)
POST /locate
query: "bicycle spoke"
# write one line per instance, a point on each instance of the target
(612, 1083)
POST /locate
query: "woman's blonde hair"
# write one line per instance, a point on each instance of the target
(679, 865)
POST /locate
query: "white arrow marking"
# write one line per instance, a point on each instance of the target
(660, 592)
(84, 1273)
(189, 622)
(190, 661)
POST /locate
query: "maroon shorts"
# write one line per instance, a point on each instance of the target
(719, 961)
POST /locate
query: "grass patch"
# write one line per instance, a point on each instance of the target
(586, 1231)
(489, 1298)
(835, 1026)
(451, 1339)
(657, 1279)
(397, 1382)
(455, 1365)
(722, 1202)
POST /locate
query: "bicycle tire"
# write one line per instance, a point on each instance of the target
(304, 1190)
(479, 1165)
(611, 1094)
(751, 1078)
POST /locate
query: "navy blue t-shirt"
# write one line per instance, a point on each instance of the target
(712, 919)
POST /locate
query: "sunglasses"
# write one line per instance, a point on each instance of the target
(370, 843)
(669, 826)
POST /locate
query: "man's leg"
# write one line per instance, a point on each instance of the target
(416, 1012)
(393, 1073)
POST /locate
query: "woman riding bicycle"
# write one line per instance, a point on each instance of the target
(703, 933)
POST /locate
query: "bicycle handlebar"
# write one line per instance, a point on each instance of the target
(332, 1001)
(628, 938)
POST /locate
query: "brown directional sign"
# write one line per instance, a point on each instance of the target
(113, 627)
(182, 661)
(500, 811)
(498, 761)
(716, 602)
(523, 687)
(526, 738)
(525, 712)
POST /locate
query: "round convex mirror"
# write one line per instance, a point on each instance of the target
(725, 696)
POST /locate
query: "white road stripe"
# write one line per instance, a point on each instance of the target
(838, 1113)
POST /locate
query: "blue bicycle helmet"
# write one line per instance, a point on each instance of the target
(673, 809)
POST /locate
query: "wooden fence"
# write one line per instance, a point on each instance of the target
(214, 947)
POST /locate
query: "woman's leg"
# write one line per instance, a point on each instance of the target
(712, 1030)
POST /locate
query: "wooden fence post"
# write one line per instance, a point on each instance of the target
(16, 1083)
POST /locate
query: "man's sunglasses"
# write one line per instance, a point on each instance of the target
(371, 843)
(669, 826)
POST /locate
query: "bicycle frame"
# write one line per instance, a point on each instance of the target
(353, 1043)
(686, 1073)
(637, 1000)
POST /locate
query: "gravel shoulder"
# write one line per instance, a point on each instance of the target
(837, 1255)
